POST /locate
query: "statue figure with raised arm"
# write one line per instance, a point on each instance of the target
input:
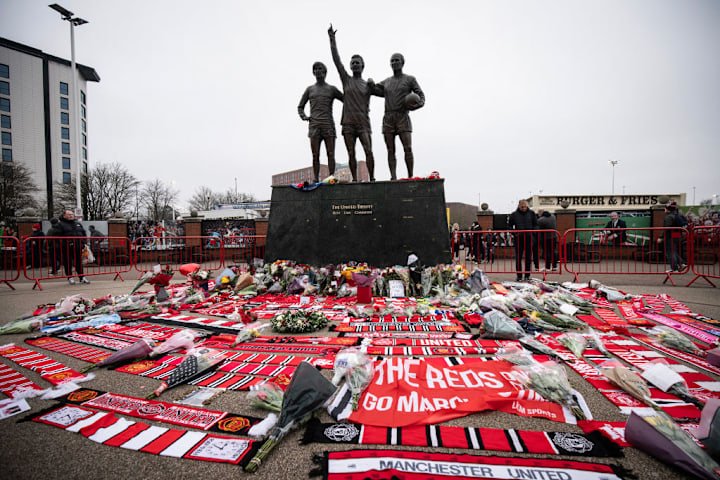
(355, 119)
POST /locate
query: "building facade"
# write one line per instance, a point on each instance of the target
(342, 173)
(36, 116)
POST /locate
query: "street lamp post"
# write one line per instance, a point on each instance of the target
(74, 21)
(613, 163)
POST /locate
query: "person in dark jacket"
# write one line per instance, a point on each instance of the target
(523, 219)
(54, 249)
(548, 240)
(616, 237)
(72, 246)
(673, 238)
(35, 252)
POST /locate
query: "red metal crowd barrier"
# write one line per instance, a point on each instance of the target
(45, 258)
(624, 251)
(705, 253)
(244, 249)
(172, 251)
(522, 252)
(9, 260)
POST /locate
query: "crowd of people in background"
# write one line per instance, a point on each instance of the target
(149, 234)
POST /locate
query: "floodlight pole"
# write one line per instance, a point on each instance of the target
(613, 163)
(75, 98)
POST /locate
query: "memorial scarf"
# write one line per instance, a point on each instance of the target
(687, 320)
(681, 327)
(496, 439)
(298, 349)
(429, 351)
(410, 465)
(97, 341)
(229, 381)
(627, 310)
(12, 383)
(48, 368)
(595, 323)
(669, 403)
(693, 360)
(611, 318)
(399, 327)
(413, 335)
(212, 324)
(420, 391)
(109, 429)
(144, 330)
(71, 349)
(164, 412)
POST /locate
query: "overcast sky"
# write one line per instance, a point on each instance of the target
(523, 96)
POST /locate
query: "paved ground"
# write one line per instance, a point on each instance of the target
(34, 451)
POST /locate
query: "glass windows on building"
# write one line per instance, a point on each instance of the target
(5, 121)
(65, 133)
(6, 138)
(84, 153)
(4, 71)
(65, 148)
(84, 137)
(4, 104)
(82, 97)
(85, 168)
(4, 87)
(84, 125)
(64, 103)
(63, 88)
(66, 163)
(65, 118)
(67, 178)
(7, 155)
(84, 112)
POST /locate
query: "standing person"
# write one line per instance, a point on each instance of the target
(476, 245)
(72, 246)
(617, 237)
(321, 127)
(523, 219)
(673, 238)
(54, 249)
(548, 240)
(355, 118)
(396, 121)
(37, 246)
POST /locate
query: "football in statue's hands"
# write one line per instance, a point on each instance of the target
(413, 101)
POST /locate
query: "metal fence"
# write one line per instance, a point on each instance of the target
(580, 252)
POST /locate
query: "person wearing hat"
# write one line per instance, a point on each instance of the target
(36, 247)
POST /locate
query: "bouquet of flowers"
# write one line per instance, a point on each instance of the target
(268, 396)
(674, 339)
(516, 355)
(356, 368)
(574, 342)
(629, 381)
(498, 325)
(550, 381)
(299, 321)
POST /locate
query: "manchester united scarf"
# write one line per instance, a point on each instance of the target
(516, 441)
(212, 324)
(109, 429)
(669, 403)
(48, 368)
(97, 341)
(71, 349)
(684, 328)
(399, 327)
(421, 391)
(145, 330)
(409, 465)
(13, 383)
(163, 412)
(671, 352)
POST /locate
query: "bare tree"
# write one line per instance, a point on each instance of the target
(105, 190)
(203, 199)
(159, 199)
(16, 189)
(232, 197)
